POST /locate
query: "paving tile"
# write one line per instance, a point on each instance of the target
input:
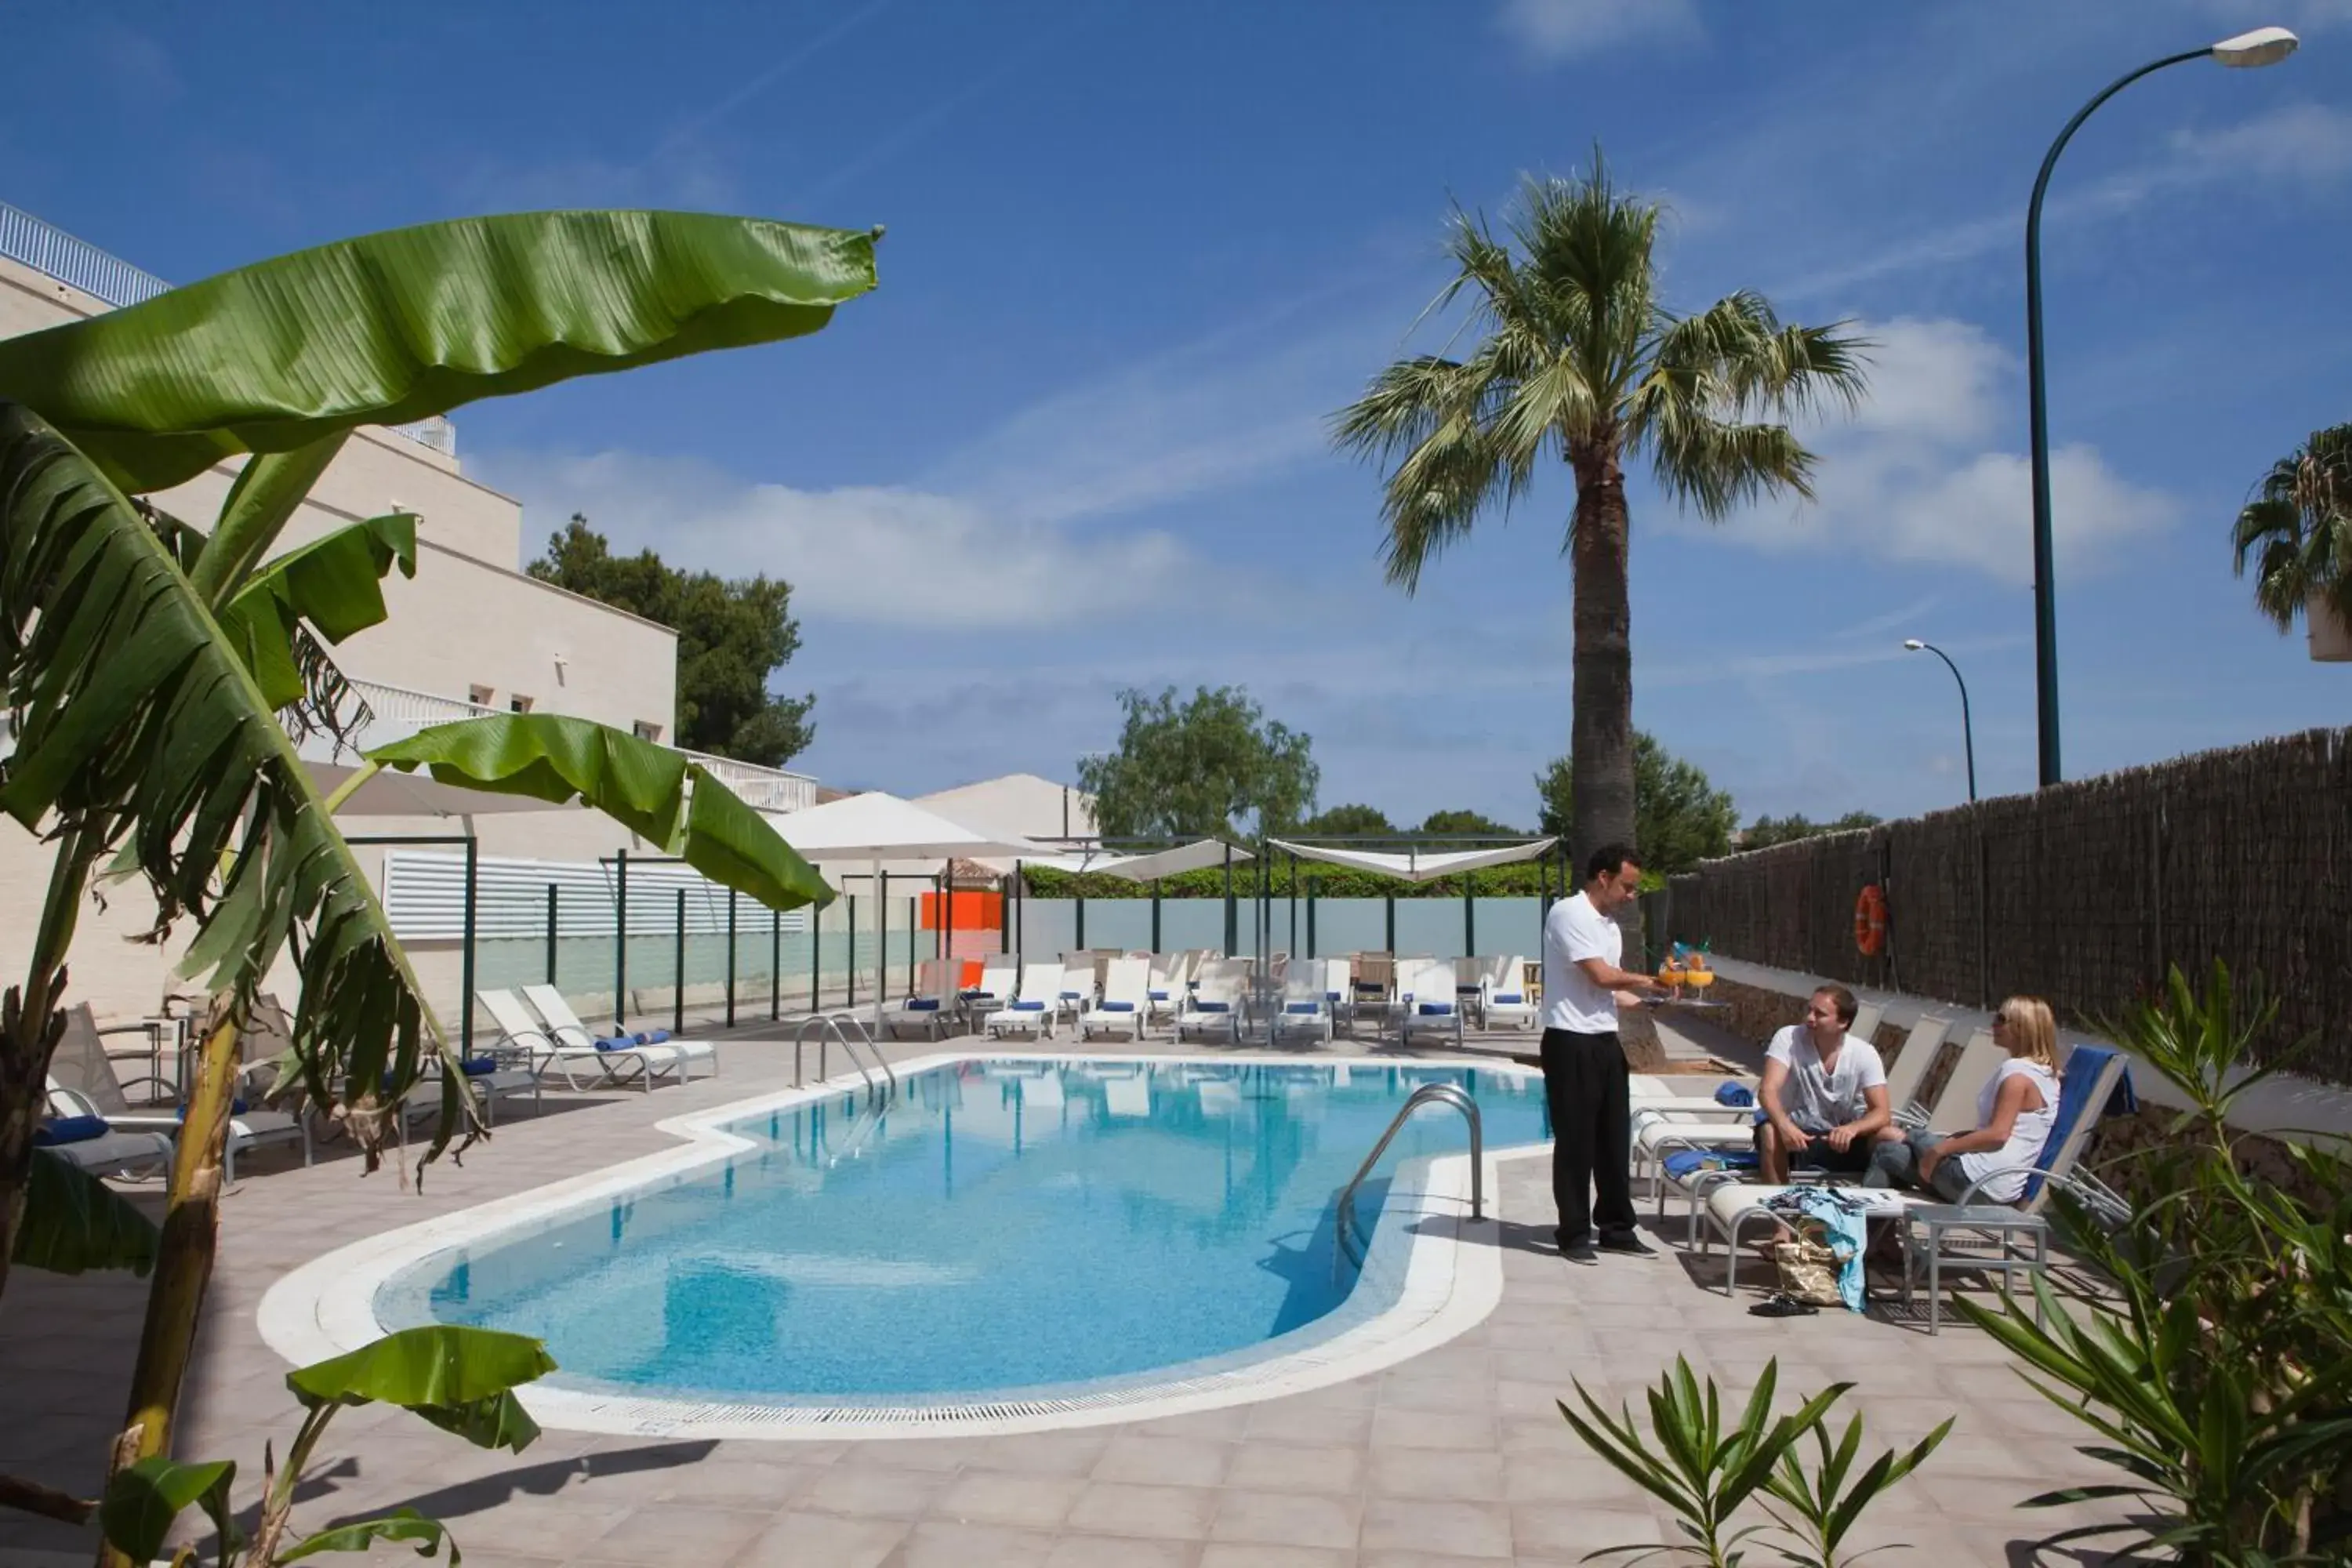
(1123, 1508)
(1045, 1453)
(1565, 1532)
(1289, 1421)
(1121, 1552)
(1440, 1474)
(934, 1544)
(1286, 1519)
(1456, 1529)
(1298, 1468)
(675, 1534)
(1435, 1429)
(1164, 1462)
(1256, 1554)
(875, 1493)
(803, 1540)
(989, 1497)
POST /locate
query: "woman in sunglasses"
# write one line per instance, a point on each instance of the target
(2013, 1118)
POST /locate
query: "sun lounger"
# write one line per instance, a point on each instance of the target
(1430, 1003)
(1503, 999)
(1215, 1005)
(79, 1064)
(930, 1009)
(76, 1132)
(1032, 1011)
(521, 1031)
(1164, 987)
(1305, 1010)
(1126, 1001)
(2091, 1076)
(565, 1026)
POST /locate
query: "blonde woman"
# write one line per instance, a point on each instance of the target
(2013, 1118)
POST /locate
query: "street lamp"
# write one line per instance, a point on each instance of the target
(2263, 46)
(1968, 725)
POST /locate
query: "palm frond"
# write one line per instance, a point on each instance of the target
(1403, 405)
(1435, 495)
(2296, 533)
(1713, 468)
(137, 713)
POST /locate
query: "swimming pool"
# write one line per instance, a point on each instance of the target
(1010, 1232)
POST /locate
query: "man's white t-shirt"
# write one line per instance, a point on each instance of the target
(1573, 932)
(1818, 1098)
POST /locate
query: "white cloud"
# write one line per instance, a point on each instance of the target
(1912, 479)
(868, 554)
(1555, 30)
(2306, 142)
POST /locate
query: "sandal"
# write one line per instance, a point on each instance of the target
(1780, 1304)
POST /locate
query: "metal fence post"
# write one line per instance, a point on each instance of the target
(620, 936)
(851, 899)
(1079, 941)
(1155, 914)
(465, 1006)
(730, 958)
(1229, 902)
(678, 992)
(1294, 906)
(1388, 901)
(552, 893)
(1469, 915)
(1005, 914)
(817, 958)
(775, 964)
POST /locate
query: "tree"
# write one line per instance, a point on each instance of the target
(1348, 821)
(1572, 355)
(148, 664)
(1198, 769)
(1680, 818)
(1467, 825)
(2297, 531)
(1766, 831)
(732, 634)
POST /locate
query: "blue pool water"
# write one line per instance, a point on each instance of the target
(1004, 1226)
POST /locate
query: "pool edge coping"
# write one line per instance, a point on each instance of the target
(1446, 1282)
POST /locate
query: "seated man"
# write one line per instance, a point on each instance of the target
(1824, 1093)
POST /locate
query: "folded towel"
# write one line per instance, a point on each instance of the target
(1309, 1007)
(1684, 1162)
(1201, 1006)
(1734, 1094)
(1028, 1006)
(1159, 995)
(1118, 1008)
(1508, 998)
(623, 1043)
(921, 1004)
(1435, 1009)
(480, 1067)
(653, 1037)
(56, 1129)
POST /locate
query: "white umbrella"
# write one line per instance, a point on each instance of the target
(887, 833)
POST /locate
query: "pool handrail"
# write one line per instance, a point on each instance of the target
(1427, 1094)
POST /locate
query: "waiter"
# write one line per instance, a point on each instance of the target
(1584, 1065)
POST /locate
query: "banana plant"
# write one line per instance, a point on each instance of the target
(140, 670)
(461, 1380)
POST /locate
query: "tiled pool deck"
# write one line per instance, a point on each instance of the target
(1457, 1456)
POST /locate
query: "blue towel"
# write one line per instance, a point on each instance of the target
(1118, 1008)
(622, 1043)
(653, 1037)
(238, 1107)
(1211, 1007)
(56, 1129)
(1332, 996)
(1072, 995)
(1028, 1006)
(1508, 998)
(2085, 1064)
(1734, 1094)
(1159, 995)
(1301, 1007)
(1684, 1162)
(480, 1067)
(1435, 1009)
(922, 1004)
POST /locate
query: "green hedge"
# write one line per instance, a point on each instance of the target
(1522, 880)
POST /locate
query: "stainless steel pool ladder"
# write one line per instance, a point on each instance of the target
(829, 1027)
(1427, 1094)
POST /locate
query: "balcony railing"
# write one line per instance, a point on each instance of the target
(76, 263)
(399, 712)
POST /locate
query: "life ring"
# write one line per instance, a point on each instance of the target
(1870, 921)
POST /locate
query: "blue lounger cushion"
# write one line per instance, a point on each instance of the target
(1508, 998)
(1309, 1007)
(1028, 1006)
(56, 1129)
(922, 1004)
(1684, 1163)
(1158, 996)
(1435, 1009)
(1200, 1006)
(1118, 1008)
(2085, 1063)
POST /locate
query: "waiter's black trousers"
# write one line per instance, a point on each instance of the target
(1592, 1140)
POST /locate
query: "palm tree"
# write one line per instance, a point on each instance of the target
(2297, 531)
(1576, 356)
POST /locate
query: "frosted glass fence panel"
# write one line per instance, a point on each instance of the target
(1501, 926)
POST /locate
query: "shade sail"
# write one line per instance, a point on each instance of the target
(1415, 865)
(1197, 855)
(392, 792)
(877, 826)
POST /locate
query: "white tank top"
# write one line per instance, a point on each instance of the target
(2027, 1134)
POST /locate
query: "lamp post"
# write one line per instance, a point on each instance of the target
(1968, 725)
(2263, 46)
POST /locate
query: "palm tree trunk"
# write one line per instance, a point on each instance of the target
(1600, 738)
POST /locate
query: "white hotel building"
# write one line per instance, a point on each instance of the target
(470, 634)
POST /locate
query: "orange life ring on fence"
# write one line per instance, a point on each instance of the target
(1870, 921)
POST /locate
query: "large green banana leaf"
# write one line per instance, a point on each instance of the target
(551, 757)
(74, 1222)
(138, 717)
(334, 583)
(395, 327)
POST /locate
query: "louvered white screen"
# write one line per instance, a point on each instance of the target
(424, 895)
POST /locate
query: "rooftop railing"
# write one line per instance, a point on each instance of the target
(77, 264)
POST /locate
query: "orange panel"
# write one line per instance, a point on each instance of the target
(973, 910)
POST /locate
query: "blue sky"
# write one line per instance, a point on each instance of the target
(1137, 255)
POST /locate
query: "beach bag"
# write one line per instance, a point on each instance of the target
(1810, 1265)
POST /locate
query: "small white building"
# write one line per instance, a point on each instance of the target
(1022, 806)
